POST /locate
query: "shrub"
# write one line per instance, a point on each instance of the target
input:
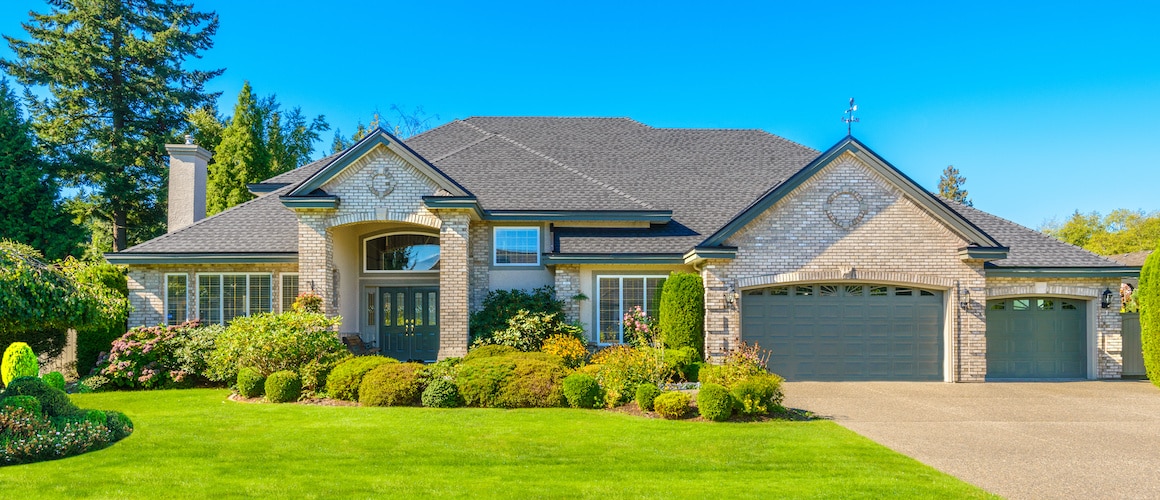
(741, 363)
(346, 377)
(622, 368)
(118, 424)
(96, 417)
(568, 347)
(251, 383)
(672, 405)
(54, 402)
(582, 391)
(517, 380)
(499, 306)
(441, 393)
(54, 379)
(191, 347)
(445, 369)
(392, 384)
(157, 357)
(639, 329)
(682, 311)
(27, 403)
(283, 387)
(19, 361)
(714, 402)
(645, 395)
(1148, 298)
(679, 363)
(95, 383)
(34, 439)
(92, 340)
(314, 374)
(758, 394)
(528, 331)
(307, 302)
(487, 351)
(693, 371)
(272, 342)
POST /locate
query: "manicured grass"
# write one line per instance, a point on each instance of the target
(197, 444)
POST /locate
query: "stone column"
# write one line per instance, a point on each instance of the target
(722, 320)
(1110, 335)
(316, 258)
(970, 332)
(454, 282)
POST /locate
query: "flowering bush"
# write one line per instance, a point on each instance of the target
(639, 329)
(527, 331)
(157, 356)
(567, 347)
(271, 343)
(621, 368)
(307, 302)
(741, 363)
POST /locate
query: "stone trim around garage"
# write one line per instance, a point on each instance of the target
(839, 276)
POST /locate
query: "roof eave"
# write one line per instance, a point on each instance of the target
(141, 258)
(606, 258)
(984, 253)
(1062, 272)
(292, 202)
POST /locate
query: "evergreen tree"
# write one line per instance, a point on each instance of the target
(118, 89)
(29, 208)
(950, 186)
(241, 156)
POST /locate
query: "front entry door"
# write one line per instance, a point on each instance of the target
(409, 328)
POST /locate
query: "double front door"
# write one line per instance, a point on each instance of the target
(409, 323)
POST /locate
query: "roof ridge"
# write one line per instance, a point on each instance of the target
(486, 136)
(562, 165)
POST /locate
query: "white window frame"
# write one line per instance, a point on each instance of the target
(282, 290)
(221, 292)
(620, 300)
(363, 251)
(495, 248)
(165, 296)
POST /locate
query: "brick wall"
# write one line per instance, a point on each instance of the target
(454, 279)
(147, 286)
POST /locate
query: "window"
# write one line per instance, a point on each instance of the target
(176, 298)
(401, 252)
(617, 296)
(289, 291)
(222, 297)
(517, 246)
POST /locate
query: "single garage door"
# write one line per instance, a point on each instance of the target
(1036, 337)
(847, 331)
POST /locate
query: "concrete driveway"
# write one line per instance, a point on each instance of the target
(1019, 440)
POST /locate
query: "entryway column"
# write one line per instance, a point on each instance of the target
(453, 282)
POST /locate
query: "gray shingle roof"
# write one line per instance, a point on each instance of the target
(705, 176)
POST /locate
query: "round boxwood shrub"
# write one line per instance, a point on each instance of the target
(645, 395)
(442, 394)
(28, 403)
(392, 384)
(251, 383)
(54, 379)
(682, 311)
(345, 378)
(715, 403)
(19, 361)
(672, 405)
(54, 402)
(283, 387)
(118, 424)
(582, 391)
(490, 351)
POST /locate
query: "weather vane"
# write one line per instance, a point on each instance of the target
(848, 116)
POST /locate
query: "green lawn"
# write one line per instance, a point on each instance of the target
(197, 444)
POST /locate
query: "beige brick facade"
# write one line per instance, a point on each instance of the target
(147, 286)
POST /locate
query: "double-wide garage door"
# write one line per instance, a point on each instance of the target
(1036, 337)
(847, 331)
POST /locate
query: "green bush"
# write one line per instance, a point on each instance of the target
(96, 417)
(499, 306)
(682, 311)
(54, 402)
(715, 403)
(54, 379)
(346, 377)
(275, 342)
(1148, 297)
(158, 357)
(283, 387)
(118, 424)
(679, 363)
(444, 369)
(441, 393)
(528, 331)
(672, 405)
(582, 391)
(517, 380)
(191, 346)
(251, 383)
(392, 384)
(95, 383)
(487, 351)
(645, 395)
(741, 363)
(27, 403)
(19, 361)
(758, 394)
(620, 369)
(693, 371)
(92, 340)
(569, 348)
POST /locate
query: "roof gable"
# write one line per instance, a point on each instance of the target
(952, 219)
(376, 138)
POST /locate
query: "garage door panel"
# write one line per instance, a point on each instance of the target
(1036, 337)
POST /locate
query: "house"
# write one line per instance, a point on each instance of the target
(836, 261)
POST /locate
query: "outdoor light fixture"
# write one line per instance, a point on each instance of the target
(1106, 298)
(730, 296)
(965, 298)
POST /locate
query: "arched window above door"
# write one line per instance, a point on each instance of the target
(401, 252)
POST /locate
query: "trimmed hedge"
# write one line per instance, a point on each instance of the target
(488, 351)
(517, 380)
(442, 394)
(344, 379)
(645, 395)
(1148, 297)
(672, 405)
(392, 384)
(283, 387)
(54, 379)
(715, 403)
(682, 311)
(28, 403)
(251, 383)
(19, 361)
(582, 391)
(54, 402)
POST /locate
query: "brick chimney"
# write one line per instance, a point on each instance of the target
(187, 179)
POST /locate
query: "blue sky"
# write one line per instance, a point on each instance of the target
(1046, 108)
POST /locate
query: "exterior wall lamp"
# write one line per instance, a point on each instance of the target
(731, 296)
(965, 298)
(1106, 298)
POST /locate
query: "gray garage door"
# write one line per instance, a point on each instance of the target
(847, 331)
(1036, 337)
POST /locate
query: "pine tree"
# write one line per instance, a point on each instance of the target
(950, 186)
(29, 208)
(118, 89)
(241, 156)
